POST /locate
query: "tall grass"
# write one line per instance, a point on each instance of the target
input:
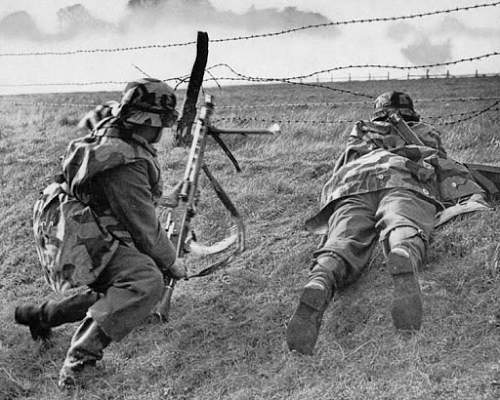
(225, 339)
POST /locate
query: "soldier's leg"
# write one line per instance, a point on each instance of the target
(349, 246)
(40, 319)
(406, 222)
(132, 284)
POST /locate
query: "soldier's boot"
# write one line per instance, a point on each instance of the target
(407, 300)
(303, 329)
(40, 319)
(31, 316)
(86, 348)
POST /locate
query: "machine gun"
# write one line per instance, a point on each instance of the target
(403, 130)
(189, 197)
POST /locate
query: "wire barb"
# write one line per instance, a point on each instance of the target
(248, 37)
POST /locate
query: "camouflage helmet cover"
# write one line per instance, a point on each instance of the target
(148, 102)
(390, 102)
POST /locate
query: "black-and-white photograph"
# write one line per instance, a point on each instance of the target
(249, 200)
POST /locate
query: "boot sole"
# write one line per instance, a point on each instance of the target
(407, 307)
(303, 328)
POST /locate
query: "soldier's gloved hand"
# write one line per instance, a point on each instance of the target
(178, 270)
(171, 200)
(92, 118)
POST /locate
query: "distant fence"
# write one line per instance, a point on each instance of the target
(317, 79)
(388, 76)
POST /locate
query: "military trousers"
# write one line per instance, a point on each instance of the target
(359, 220)
(123, 294)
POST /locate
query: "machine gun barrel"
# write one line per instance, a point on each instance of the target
(244, 131)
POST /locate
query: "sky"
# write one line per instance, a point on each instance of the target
(61, 25)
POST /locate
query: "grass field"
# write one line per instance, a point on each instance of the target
(225, 339)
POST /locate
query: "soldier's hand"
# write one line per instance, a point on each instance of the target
(171, 200)
(92, 118)
(179, 269)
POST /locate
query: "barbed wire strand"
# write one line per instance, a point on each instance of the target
(243, 107)
(469, 115)
(347, 103)
(254, 36)
(248, 78)
(184, 78)
(474, 115)
(377, 66)
(359, 21)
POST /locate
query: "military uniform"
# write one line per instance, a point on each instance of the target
(379, 184)
(97, 226)
(381, 188)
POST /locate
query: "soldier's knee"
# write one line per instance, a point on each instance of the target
(148, 286)
(332, 265)
(155, 286)
(409, 237)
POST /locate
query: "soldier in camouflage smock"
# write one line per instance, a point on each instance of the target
(381, 188)
(97, 226)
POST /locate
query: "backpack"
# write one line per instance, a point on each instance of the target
(72, 247)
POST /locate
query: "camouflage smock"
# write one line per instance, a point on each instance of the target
(377, 158)
(75, 241)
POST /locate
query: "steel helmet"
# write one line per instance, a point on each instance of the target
(148, 102)
(390, 102)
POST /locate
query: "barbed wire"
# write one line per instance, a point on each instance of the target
(240, 76)
(243, 77)
(46, 104)
(359, 66)
(348, 103)
(243, 120)
(462, 114)
(469, 115)
(16, 103)
(90, 83)
(253, 36)
(290, 105)
(359, 21)
(63, 84)
(474, 115)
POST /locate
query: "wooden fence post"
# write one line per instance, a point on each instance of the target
(183, 134)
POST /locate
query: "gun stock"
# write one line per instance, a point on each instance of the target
(404, 130)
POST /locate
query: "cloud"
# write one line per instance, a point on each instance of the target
(162, 15)
(400, 31)
(422, 51)
(72, 21)
(76, 19)
(453, 26)
(203, 13)
(433, 43)
(20, 25)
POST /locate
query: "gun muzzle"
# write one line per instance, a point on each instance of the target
(273, 129)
